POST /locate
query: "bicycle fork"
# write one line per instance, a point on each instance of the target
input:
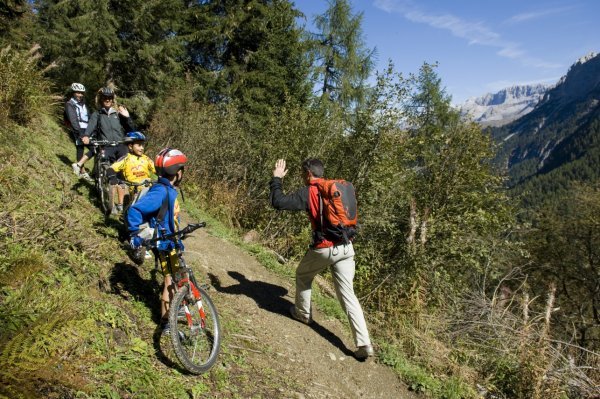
(194, 298)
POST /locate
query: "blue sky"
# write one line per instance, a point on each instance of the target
(480, 46)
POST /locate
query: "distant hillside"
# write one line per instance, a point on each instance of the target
(558, 141)
(496, 109)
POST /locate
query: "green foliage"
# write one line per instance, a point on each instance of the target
(24, 90)
(130, 43)
(343, 63)
(564, 240)
(420, 380)
(250, 52)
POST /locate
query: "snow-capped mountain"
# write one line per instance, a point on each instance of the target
(504, 106)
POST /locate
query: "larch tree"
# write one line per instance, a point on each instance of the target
(343, 63)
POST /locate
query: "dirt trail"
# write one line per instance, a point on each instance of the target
(301, 361)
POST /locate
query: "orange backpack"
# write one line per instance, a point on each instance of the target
(338, 208)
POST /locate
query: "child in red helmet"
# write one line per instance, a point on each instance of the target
(158, 208)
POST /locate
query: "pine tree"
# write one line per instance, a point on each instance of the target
(81, 37)
(130, 42)
(16, 19)
(343, 63)
(248, 51)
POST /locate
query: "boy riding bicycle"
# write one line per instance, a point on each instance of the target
(158, 208)
(135, 167)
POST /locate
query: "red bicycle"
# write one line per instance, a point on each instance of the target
(193, 318)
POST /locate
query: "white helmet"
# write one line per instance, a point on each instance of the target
(78, 87)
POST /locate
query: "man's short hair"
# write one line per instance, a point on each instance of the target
(314, 165)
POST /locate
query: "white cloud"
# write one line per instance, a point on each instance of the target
(528, 16)
(473, 32)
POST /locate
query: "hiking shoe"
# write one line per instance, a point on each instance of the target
(76, 169)
(295, 315)
(119, 208)
(364, 352)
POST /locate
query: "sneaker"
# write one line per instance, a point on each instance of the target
(119, 208)
(148, 255)
(364, 352)
(167, 332)
(86, 176)
(76, 169)
(295, 315)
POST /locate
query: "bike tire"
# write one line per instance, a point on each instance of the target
(196, 348)
(105, 191)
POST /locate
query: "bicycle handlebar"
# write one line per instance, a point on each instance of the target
(146, 183)
(178, 234)
(105, 143)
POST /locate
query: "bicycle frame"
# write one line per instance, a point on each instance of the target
(184, 275)
(196, 338)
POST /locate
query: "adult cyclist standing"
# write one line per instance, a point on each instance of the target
(107, 123)
(76, 118)
(159, 209)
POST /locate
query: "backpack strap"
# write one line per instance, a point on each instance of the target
(164, 207)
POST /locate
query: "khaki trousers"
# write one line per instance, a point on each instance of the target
(341, 260)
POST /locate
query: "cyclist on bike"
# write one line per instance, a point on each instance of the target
(158, 208)
(107, 123)
(135, 167)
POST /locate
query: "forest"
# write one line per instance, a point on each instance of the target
(504, 277)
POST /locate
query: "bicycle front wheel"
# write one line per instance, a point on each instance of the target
(105, 191)
(195, 330)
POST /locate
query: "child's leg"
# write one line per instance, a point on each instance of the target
(167, 296)
(121, 194)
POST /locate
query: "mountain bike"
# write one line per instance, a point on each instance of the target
(193, 319)
(101, 166)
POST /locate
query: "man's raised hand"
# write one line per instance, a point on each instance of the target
(280, 170)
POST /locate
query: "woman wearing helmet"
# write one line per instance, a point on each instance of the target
(76, 118)
(108, 123)
(135, 167)
(158, 208)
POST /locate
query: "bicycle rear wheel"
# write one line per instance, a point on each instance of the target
(196, 339)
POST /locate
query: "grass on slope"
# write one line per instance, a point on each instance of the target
(77, 318)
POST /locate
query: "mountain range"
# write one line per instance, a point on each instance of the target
(558, 141)
(496, 109)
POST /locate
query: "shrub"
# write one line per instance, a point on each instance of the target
(24, 91)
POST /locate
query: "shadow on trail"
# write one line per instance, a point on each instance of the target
(270, 297)
(125, 281)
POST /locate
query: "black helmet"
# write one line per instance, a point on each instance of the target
(107, 92)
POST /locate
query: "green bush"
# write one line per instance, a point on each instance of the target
(24, 91)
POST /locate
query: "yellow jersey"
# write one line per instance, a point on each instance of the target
(135, 169)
